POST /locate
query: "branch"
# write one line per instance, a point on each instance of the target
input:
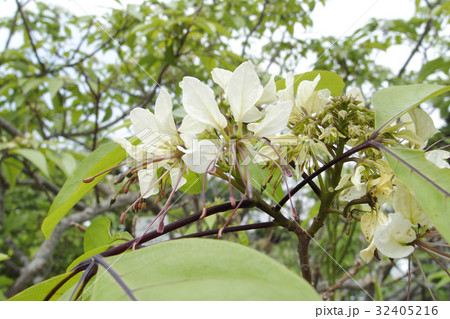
(34, 268)
(416, 48)
(28, 30)
(262, 14)
(327, 294)
(231, 229)
(8, 127)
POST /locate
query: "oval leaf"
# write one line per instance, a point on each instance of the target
(392, 102)
(106, 156)
(200, 269)
(35, 157)
(429, 183)
(328, 80)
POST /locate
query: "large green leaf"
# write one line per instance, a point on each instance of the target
(40, 291)
(428, 182)
(106, 156)
(392, 102)
(328, 80)
(200, 269)
(35, 157)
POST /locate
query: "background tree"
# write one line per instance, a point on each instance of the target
(68, 83)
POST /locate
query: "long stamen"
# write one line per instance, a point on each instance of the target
(141, 196)
(163, 210)
(219, 234)
(230, 188)
(247, 173)
(283, 174)
(90, 179)
(208, 168)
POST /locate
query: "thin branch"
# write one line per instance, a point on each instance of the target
(416, 48)
(8, 127)
(262, 14)
(232, 229)
(28, 30)
(327, 294)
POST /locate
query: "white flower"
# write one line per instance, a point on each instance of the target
(200, 104)
(438, 158)
(243, 90)
(358, 189)
(310, 100)
(159, 137)
(406, 204)
(275, 120)
(369, 224)
(392, 239)
(198, 155)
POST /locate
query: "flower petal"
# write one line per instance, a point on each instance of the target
(200, 104)
(221, 77)
(148, 181)
(276, 119)
(175, 173)
(269, 94)
(199, 158)
(143, 121)
(438, 158)
(191, 127)
(163, 113)
(243, 90)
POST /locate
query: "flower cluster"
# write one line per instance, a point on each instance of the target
(293, 131)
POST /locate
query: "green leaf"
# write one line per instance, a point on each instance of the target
(11, 168)
(54, 85)
(97, 234)
(35, 157)
(65, 161)
(259, 177)
(194, 183)
(40, 291)
(86, 255)
(392, 102)
(428, 182)
(105, 157)
(328, 80)
(200, 269)
(3, 257)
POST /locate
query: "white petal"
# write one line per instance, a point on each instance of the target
(265, 154)
(389, 247)
(253, 114)
(191, 127)
(132, 150)
(143, 121)
(356, 178)
(269, 93)
(309, 99)
(274, 122)
(221, 77)
(287, 94)
(243, 90)
(438, 158)
(367, 254)
(175, 173)
(147, 181)
(392, 238)
(200, 157)
(163, 112)
(200, 104)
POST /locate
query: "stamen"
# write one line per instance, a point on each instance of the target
(219, 234)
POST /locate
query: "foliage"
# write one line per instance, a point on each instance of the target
(68, 86)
